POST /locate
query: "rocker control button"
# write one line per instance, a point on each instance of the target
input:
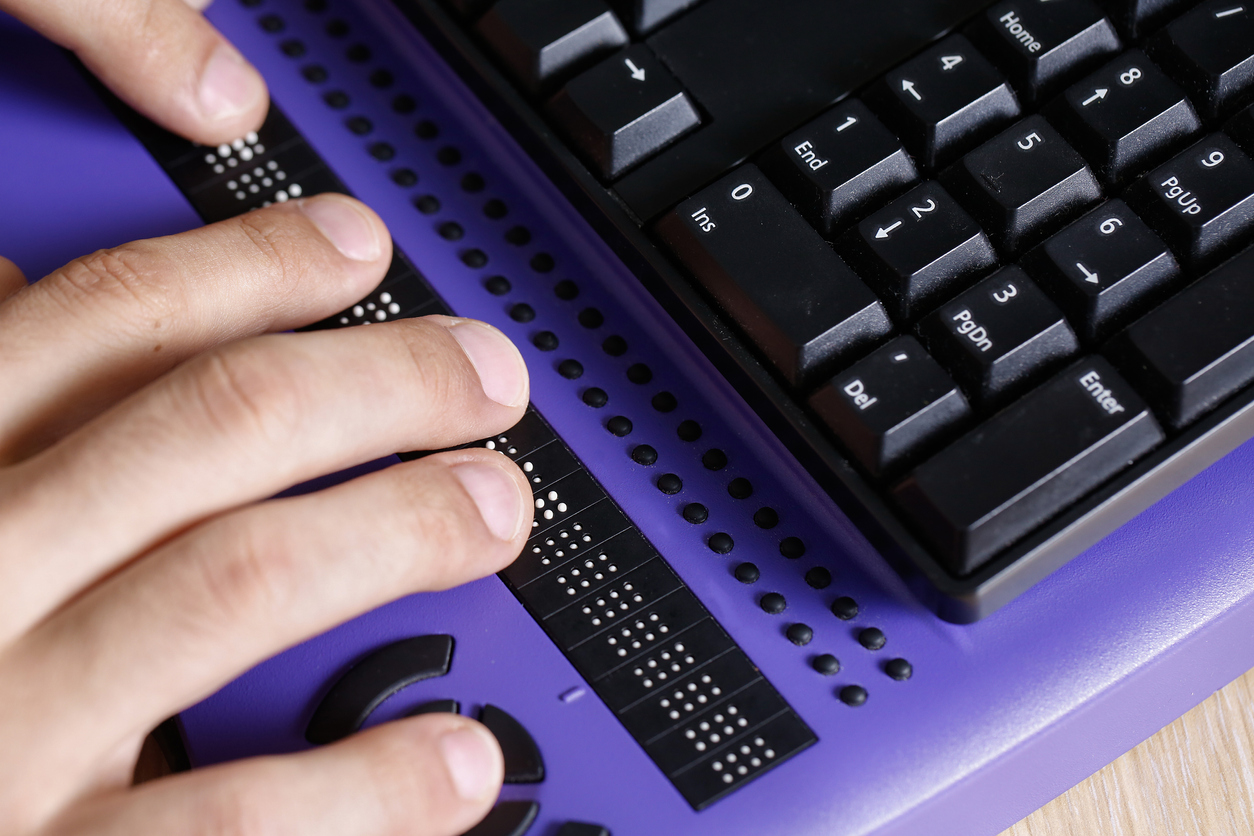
(523, 763)
(507, 818)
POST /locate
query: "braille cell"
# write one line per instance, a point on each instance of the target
(382, 151)
(800, 634)
(853, 695)
(358, 53)
(293, 48)
(619, 425)
(314, 73)
(592, 318)
(518, 236)
(448, 155)
(740, 488)
(872, 638)
(451, 231)
(670, 484)
(714, 459)
(427, 204)
(404, 177)
(272, 23)
(382, 79)
(475, 259)
(570, 369)
(639, 373)
(545, 341)
(614, 346)
(404, 103)
(721, 543)
(688, 430)
(543, 263)
(595, 397)
(522, 312)
(826, 664)
(664, 402)
(426, 129)
(748, 573)
(339, 100)
(845, 608)
(773, 603)
(766, 517)
(792, 547)
(696, 513)
(495, 209)
(819, 578)
(566, 290)
(497, 285)
(899, 669)
(337, 28)
(644, 454)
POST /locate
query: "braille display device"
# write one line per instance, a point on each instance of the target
(892, 378)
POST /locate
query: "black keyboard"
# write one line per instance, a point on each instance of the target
(986, 269)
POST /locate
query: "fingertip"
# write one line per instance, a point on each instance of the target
(231, 94)
(474, 762)
(352, 227)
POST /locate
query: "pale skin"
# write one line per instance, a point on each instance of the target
(151, 406)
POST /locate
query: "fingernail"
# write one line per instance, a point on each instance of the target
(228, 85)
(471, 756)
(344, 225)
(501, 369)
(496, 494)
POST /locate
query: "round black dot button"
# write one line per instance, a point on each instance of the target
(614, 346)
(495, 209)
(426, 129)
(721, 543)
(872, 638)
(854, 695)
(664, 402)
(382, 151)
(827, 664)
(474, 259)
(800, 634)
(792, 547)
(714, 459)
(773, 603)
(639, 373)
(358, 54)
(696, 513)
(543, 263)
(689, 430)
(740, 488)
(748, 573)
(497, 285)
(314, 73)
(339, 100)
(670, 484)
(592, 318)
(382, 79)
(404, 103)
(845, 608)
(766, 518)
(644, 454)
(451, 231)
(619, 425)
(427, 204)
(359, 125)
(272, 23)
(595, 397)
(473, 182)
(899, 669)
(545, 341)
(404, 177)
(566, 290)
(819, 578)
(337, 28)
(570, 369)
(448, 155)
(293, 48)
(518, 236)
(522, 312)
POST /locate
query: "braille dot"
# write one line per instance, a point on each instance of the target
(337, 28)
(360, 125)
(495, 209)
(614, 346)
(800, 634)
(639, 373)
(644, 454)
(689, 430)
(316, 5)
(426, 129)
(448, 155)
(664, 402)
(899, 669)
(766, 517)
(773, 603)
(566, 290)
(854, 695)
(382, 151)
(748, 573)
(819, 578)
(619, 425)
(670, 484)
(382, 79)
(314, 73)
(595, 397)
(714, 459)
(473, 182)
(591, 318)
(451, 231)
(293, 48)
(696, 513)
(740, 488)
(721, 543)
(339, 100)
(497, 285)
(522, 312)
(272, 23)
(543, 263)
(792, 547)
(570, 369)
(845, 608)
(826, 664)
(404, 103)
(518, 235)
(358, 53)
(545, 341)
(475, 259)
(404, 177)
(427, 204)
(872, 638)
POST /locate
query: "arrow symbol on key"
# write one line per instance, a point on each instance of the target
(1089, 276)
(1098, 95)
(884, 230)
(636, 72)
(908, 86)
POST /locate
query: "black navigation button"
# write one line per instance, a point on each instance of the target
(507, 818)
(523, 763)
(623, 110)
(435, 707)
(372, 680)
(1210, 50)
(579, 828)
(543, 41)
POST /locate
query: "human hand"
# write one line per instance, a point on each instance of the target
(148, 413)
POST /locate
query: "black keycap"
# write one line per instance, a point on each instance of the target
(999, 337)
(945, 101)
(507, 818)
(1210, 51)
(1202, 202)
(523, 762)
(892, 406)
(623, 110)
(1023, 184)
(1104, 270)
(731, 720)
(1043, 44)
(1197, 348)
(543, 41)
(1027, 463)
(1241, 128)
(838, 165)
(1126, 117)
(642, 16)
(1136, 18)
(773, 274)
(917, 248)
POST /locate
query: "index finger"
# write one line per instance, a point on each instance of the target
(162, 58)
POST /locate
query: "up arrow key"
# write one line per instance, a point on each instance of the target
(636, 72)
(908, 87)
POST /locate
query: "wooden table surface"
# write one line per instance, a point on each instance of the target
(1194, 778)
